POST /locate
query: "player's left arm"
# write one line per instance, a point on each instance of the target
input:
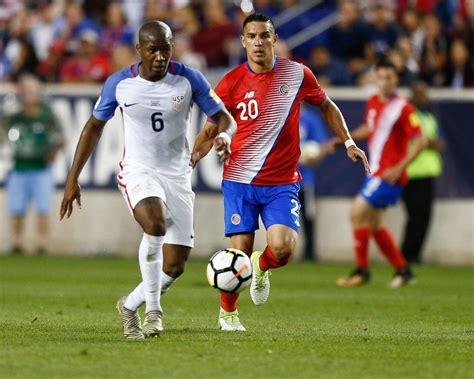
(335, 120)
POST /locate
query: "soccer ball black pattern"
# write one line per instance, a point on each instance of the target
(229, 270)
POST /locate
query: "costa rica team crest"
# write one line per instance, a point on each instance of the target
(178, 102)
(284, 89)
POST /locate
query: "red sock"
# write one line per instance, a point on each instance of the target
(361, 247)
(229, 301)
(268, 260)
(388, 247)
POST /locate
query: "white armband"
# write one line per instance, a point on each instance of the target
(350, 142)
(225, 137)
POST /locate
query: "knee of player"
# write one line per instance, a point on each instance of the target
(175, 270)
(155, 227)
(283, 249)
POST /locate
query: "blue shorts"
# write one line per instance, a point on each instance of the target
(26, 186)
(380, 194)
(243, 203)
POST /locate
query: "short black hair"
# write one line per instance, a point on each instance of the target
(385, 63)
(258, 17)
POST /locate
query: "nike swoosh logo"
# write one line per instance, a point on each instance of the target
(129, 105)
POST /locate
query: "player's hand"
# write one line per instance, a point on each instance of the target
(392, 174)
(72, 191)
(222, 149)
(195, 158)
(357, 155)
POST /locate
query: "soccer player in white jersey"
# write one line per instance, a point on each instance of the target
(155, 97)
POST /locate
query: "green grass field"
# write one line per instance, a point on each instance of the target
(58, 320)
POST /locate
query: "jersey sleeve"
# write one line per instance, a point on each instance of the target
(411, 121)
(313, 93)
(222, 92)
(106, 104)
(203, 94)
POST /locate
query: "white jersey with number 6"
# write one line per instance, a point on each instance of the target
(156, 115)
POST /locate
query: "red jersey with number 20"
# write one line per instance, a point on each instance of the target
(265, 148)
(392, 124)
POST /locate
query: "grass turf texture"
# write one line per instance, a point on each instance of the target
(58, 320)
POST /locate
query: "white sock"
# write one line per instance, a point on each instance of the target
(150, 256)
(166, 282)
(137, 297)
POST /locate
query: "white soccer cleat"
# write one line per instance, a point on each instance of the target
(260, 285)
(153, 325)
(229, 321)
(132, 328)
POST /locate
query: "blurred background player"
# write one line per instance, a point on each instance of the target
(390, 124)
(418, 195)
(314, 146)
(35, 137)
(154, 96)
(261, 177)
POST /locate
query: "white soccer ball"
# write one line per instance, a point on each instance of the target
(229, 270)
(310, 150)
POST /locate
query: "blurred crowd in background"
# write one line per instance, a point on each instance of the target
(84, 41)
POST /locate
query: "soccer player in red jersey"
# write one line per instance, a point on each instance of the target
(391, 123)
(261, 160)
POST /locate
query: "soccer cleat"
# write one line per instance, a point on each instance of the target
(401, 278)
(229, 321)
(260, 285)
(153, 325)
(132, 328)
(357, 278)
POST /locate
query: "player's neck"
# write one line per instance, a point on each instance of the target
(147, 75)
(258, 68)
(386, 97)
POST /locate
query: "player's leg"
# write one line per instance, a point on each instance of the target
(150, 214)
(17, 200)
(306, 197)
(43, 190)
(280, 215)
(174, 261)
(241, 222)
(361, 215)
(228, 314)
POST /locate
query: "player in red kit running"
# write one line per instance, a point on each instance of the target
(261, 167)
(391, 123)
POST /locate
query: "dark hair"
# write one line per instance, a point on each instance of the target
(258, 17)
(384, 63)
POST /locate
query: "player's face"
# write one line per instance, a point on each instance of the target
(259, 39)
(387, 81)
(155, 54)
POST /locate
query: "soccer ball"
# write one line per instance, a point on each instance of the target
(229, 270)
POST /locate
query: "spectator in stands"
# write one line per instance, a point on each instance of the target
(405, 76)
(383, 31)
(42, 30)
(214, 38)
(459, 72)
(19, 52)
(349, 37)
(182, 52)
(115, 31)
(87, 64)
(419, 193)
(174, 12)
(72, 26)
(122, 56)
(405, 47)
(434, 51)
(410, 23)
(328, 70)
(35, 137)
(49, 68)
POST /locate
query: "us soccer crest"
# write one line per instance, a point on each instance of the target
(178, 102)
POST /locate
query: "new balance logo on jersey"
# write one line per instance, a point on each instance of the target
(178, 102)
(249, 95)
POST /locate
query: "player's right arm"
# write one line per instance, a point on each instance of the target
(88, 141)
(104, 110)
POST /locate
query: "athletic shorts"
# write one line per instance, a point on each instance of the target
(380, 194)
(138, 182)
(244, 203)
(35, 186)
